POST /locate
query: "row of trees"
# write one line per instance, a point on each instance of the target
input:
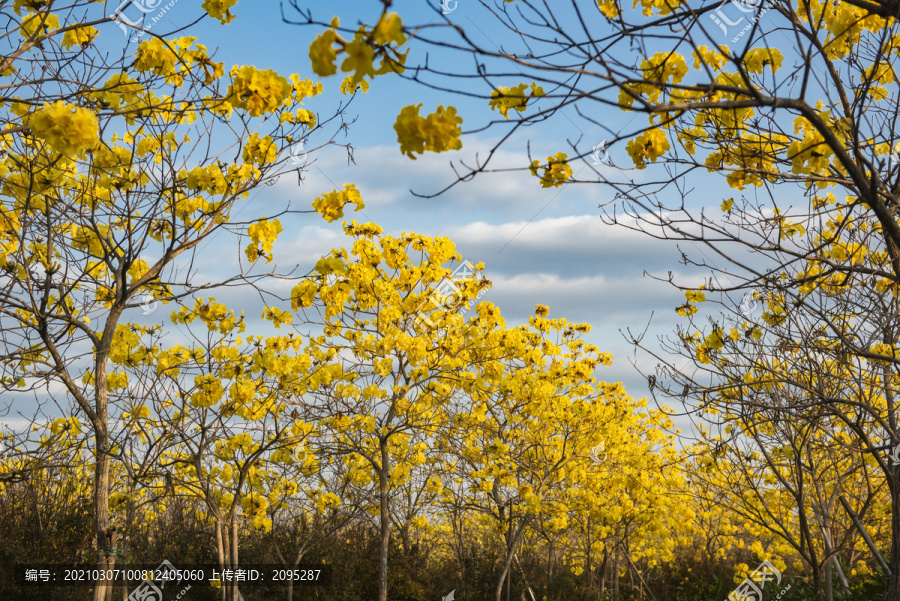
(620, 525)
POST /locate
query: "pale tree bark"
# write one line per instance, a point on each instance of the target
(385, 520)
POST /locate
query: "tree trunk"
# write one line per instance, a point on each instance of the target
(512, 539)
(220, 551)
(892, 592)
(589, 559)
(290, 595)
(602, 569)
(615, 574)
(503, 577)
(550, 564)
(385, 524)
(105, 536)
(818, 585)
(235, 595)
(126, 535)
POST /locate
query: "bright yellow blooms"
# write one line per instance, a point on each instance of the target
(263, 235)
(556, 172)
(69, 129)
(80, 36)
(438, 132)
(259, 151)
(257, 91)
(503, 99)
(322, 53)
(331, 204)
(648, 146)
(219, 9)
(383, 40)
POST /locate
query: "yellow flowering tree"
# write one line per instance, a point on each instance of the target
(530, 437)
(223, 418)
(388, 356)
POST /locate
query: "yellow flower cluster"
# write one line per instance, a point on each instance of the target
(263, 235)
(556, 172)
(609, 8)
(668, 67)
(328, 500)
(331, 204)
(884, 350)
(713, 59)
(69, 427)
(389, 30)
(651, 145)
(37, 24)
(753, 155)
(686, 310)
(215, 315)
(303, 295)
(843, 21)
(156, 56)
(259, 151)
(361, 52)
(695, 296)
(80, 36)
(219, 9)
(438, 132)
(307, 118)
(659, 72)
(348, 86)
(504, 99)
(811, 155)
(323, 54)
(118, 89)
(208, 391)
(305, 88)
(67, 128)
(209, 179)
(360, 60)
(258, 91)
(662, 7)
(277, 316)
(759, 58)
(254, 504)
